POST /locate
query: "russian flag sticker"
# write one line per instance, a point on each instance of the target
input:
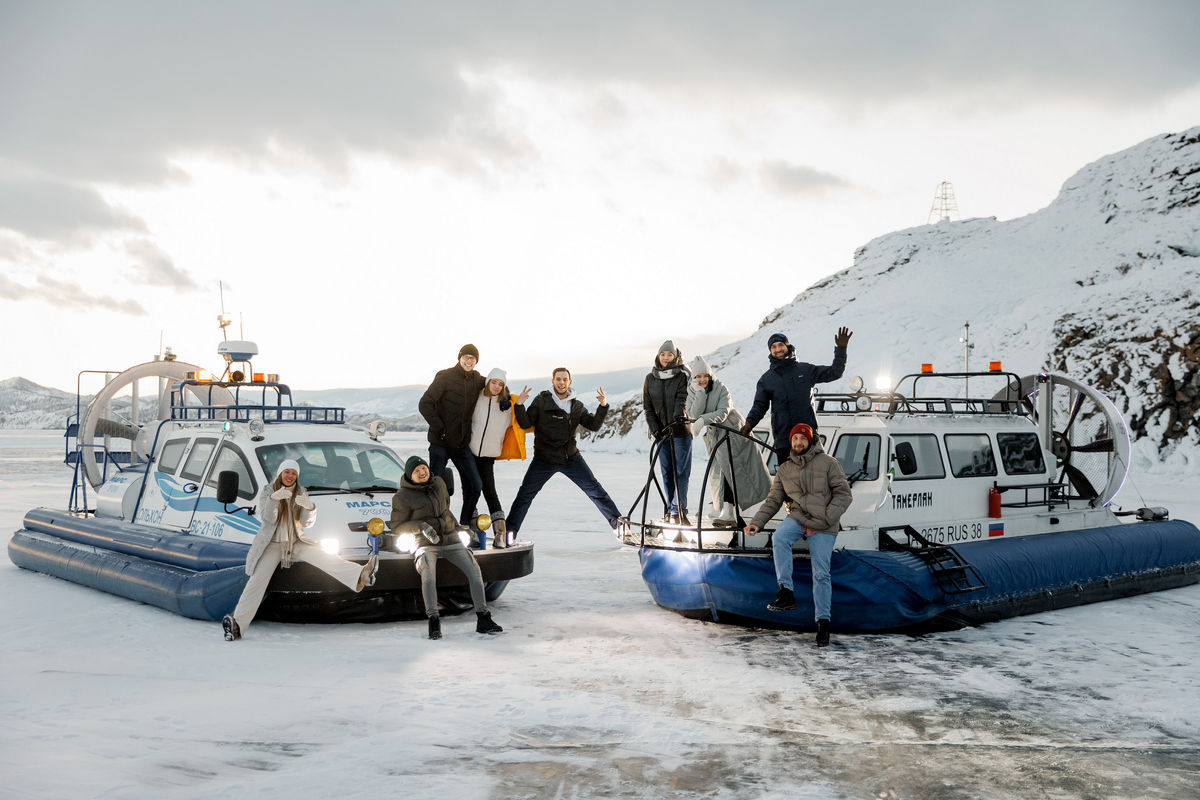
(995, 529)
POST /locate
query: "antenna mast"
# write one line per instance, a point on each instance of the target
(968, 346)
(944, 204)
(223, 319)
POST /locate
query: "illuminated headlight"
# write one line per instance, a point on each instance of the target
(883, 381)
(331, 546)
(406, 543)
(465, 538)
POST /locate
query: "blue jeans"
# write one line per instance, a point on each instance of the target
(580, 474)
(820, 549)
(468, 476)
(678, 449)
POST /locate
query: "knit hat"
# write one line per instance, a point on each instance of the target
(412, 463)
(699, 366)
(801, 427)
(498, 375)
(287, 463)
(469, 350)
(668, 346)
(777, 337)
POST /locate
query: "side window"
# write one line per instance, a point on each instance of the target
(229, 457)
(172, 451)
(970, 454)
(1020, 453)
(193, 467)
(858, 453)
(928, 457)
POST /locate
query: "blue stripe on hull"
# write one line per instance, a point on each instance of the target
(882, 590)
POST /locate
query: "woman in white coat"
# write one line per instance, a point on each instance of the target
(284, 512)
(709, 404)
(490, 422)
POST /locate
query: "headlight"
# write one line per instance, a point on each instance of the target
(406, 543)
(331, 546)
(465, 538)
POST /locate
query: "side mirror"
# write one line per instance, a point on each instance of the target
(227, 491)
(227, 487)
(906, 458)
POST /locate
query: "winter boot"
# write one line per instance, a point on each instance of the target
(232, 631)
(784, 601)
(485, 624)
(822, 633)
(500, 540)
(435, 627)
(725, 518)
(683, 519)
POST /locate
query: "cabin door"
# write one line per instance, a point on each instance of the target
(183, 493)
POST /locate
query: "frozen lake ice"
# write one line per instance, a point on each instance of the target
(592, 691)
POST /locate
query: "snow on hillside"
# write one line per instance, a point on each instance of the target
(1101, 284)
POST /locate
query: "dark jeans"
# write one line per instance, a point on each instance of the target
(675, 463)
(468, 475)
(487, 479)
(580, 474)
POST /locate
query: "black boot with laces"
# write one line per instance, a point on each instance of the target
(485, 624)
(784, 601)
(822, 633)
(435, 627)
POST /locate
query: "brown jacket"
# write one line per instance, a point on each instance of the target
(815, 485)
(427, 502)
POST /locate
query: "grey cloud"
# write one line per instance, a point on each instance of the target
(61, 294)
(59, 211)
(95, 92)
(154, 267)
(799, 179)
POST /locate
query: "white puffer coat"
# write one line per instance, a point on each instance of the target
(488, 425)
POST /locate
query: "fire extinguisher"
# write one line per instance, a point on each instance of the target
(994, 502)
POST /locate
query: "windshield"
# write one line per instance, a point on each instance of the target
(336, 465)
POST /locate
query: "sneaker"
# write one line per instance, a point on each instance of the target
(435, 627)
(822, 633)
(230, 626)
(367, 576)
(485, 624)
(784, 601)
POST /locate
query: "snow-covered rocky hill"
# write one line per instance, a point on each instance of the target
(1103, 285)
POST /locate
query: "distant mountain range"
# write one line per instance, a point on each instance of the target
(1103, 284)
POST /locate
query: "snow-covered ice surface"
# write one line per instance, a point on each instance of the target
(592, 691)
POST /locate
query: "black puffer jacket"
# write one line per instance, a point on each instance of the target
(664, 398)
(447, 406)
(554, 429)
(429, 502)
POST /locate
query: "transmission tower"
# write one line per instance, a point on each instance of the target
(944, 204)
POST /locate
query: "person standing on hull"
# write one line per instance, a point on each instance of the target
(664, 398)
(491, 427)
(284, 512)
(709, 404)
(554, 416)
(447, 406)
(814, 484)
(421, 506)
(787, 387)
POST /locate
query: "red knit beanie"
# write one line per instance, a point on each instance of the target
(801, 427)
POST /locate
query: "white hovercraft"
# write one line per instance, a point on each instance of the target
(167, 518)
(965, 509)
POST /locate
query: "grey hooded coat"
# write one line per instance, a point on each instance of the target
(715, 406)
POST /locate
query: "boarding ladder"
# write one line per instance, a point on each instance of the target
(953, 573)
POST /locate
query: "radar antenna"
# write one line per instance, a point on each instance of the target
(944, 205)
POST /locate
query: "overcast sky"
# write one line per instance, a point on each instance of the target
(558, 183)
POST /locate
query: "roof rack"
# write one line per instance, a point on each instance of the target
(269, 408)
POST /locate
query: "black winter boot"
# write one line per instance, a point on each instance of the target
(822, 633)
(784, 601)
(485, 624)
(230, 626)
(435, 627)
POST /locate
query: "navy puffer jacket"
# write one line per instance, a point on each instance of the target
(787, 387)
